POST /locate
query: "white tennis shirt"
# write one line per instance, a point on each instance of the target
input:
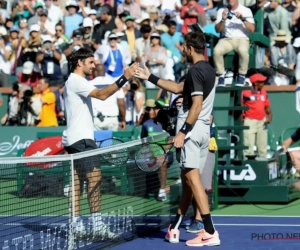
(78, 110)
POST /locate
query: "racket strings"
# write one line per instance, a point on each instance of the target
(150, 157)
(115, 157)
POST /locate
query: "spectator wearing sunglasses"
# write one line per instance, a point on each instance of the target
(38, 8)
(112, 56)
(60, 38)
(22, 9)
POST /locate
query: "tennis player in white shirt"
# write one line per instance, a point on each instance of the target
(79, 134)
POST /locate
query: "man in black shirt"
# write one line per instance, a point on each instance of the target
(198, 91)
(107, 23)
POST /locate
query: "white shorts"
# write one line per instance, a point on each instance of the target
(194, 152)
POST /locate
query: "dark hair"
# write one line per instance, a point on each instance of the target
(146, 28)
(171, 23)
(195, 40)
(82, 54)
(46, 80)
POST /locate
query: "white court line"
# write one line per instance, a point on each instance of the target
(268, 216)
(259, 225)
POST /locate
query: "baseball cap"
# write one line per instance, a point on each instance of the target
(120, 34)
(87, 22)
(296, 42)
(47, 38)
(129, 18)
(14, 28)
(155, 35)
(34, 27)
(43, 12)
(28, 68)
(92, 12)
(257, 78)
(112, 35)
(38, 5)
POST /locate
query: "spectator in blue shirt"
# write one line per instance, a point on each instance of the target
(172, 41)
(73, 20)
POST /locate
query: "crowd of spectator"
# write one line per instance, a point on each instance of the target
(36, 38)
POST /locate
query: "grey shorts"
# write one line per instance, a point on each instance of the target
(194, 152)
(208, 171)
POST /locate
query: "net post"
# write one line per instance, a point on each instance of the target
(72, 204)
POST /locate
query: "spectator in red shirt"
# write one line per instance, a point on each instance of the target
(190, 13)
(28, 76)
(257, 117)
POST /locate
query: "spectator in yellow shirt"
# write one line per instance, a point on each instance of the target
(47, 116)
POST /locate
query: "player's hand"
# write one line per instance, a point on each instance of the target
(143, 73)
(179, 140)
(284, 147)
(130, 72)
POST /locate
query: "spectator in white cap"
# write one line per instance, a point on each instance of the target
(47, 27)
(28, 76)
(49, 57)
(55, 13)
(73, 19)
(112, 56)
(34, 45)
(93, 15)
(88, 26)
(296, 45)
(155, 57)
(5, 52)
(144, 19)
(124, 44)
(133, 8)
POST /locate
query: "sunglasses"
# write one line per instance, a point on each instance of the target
(23, 21)
(111, 39)
(58, 30)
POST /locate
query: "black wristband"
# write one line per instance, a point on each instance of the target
(186, 128)
(121, 81)
(153, 79)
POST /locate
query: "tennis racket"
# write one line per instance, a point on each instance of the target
(115, 157)
(151, 156)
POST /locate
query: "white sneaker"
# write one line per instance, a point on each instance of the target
(79, 229)
(102, 231)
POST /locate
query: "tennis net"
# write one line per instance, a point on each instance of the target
(38, 206)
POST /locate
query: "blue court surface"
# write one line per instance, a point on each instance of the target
(236, 233)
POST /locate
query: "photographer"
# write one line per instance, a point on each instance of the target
(134, 101)
(75, 44)
(235, 21)
(49, 58)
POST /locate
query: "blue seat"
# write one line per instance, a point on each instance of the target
(101, 135)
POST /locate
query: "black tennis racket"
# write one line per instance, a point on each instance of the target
(151, 156)
(115, 156)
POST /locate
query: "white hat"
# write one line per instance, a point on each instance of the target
(155, 35)
(145, 16)
(73, 4)
(92, 12)
(3, 31)
(87, 22)
(112, 35)
(120, 34)
(28, 68)
(297, 42)
(35, 27)
(47, 38)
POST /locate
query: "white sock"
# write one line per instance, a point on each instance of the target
(76, 218)
(161, 191)
(97, 216)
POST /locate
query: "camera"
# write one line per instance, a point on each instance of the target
(47, 46)
(133, 87)
(167, 117)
